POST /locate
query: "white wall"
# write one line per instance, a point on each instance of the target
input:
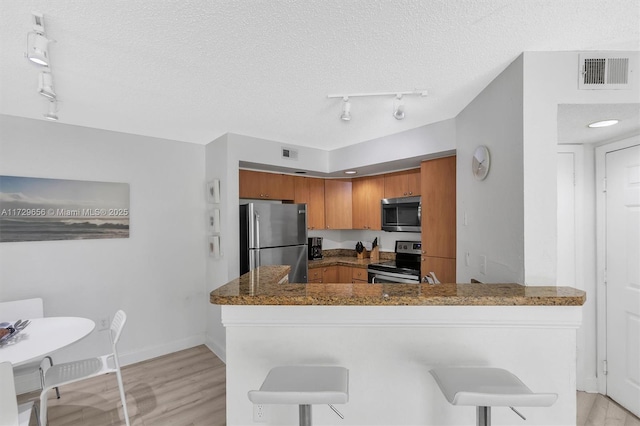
(156, 275)
(551, 78)
(426, 140)
(493, 207)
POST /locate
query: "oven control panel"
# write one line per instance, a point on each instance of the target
(409, 247)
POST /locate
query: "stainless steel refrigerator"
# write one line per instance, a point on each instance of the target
(274, 234)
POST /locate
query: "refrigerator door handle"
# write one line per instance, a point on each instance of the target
(254, 259)
(256, 222)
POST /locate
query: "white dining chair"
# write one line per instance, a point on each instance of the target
(27, 377)
(70, 372)
(12, 414)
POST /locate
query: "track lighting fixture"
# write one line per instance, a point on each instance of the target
(45, 86)
(37, 49)
(398, 102)
(398, 108)
(37, 42)
(38, 53)
(346, 109)
(52, 114)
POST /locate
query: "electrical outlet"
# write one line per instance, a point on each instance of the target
(104, 323)
(260, 413)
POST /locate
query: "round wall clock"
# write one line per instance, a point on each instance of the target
(481, 162)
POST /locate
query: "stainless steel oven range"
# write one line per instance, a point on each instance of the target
(404, 270)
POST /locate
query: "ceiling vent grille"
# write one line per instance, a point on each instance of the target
(604, 72)
(289, 154)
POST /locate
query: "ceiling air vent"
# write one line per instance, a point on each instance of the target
(289, 154)
(602, 71)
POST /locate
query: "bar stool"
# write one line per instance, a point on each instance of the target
(304, 385)
(488, 387)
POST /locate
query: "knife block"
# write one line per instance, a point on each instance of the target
(375, 253)
(362, 255)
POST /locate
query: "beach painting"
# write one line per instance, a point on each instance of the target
(39, 209)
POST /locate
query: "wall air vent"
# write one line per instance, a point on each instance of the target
(289, 154)
(604, 71)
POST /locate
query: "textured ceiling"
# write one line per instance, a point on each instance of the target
(193, 70)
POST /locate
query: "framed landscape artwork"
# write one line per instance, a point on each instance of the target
(39, 209)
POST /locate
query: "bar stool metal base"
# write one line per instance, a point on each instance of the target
(483, 416)
(305, 415)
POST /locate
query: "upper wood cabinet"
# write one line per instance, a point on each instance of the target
(338, 204)
(311, 192)
(267, 186)
(439, 218)
(439, 207)
(366, 194)
(402, 184)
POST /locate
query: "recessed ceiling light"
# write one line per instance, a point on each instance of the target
(350, 172)
(603, 123)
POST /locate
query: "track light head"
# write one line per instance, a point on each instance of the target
(38, 48)
(52, 114)
(398, 107)
(346, 109)
(45, 86)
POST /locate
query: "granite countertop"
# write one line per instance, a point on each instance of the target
(268, 285)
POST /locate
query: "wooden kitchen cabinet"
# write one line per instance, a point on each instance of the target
(338, 203)
(315, 275)
(266, 186)
(359, 275)
(444, 268)
(344, 274)
(366, 195)
(406, 183)
(330, 274)
(310, 191)
(438, 183)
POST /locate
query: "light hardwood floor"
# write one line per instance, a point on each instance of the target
(187, 388)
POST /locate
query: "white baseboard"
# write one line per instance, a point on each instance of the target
(216, 348)
(588, 384)
(156, 351)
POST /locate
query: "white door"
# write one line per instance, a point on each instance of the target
(623, 276)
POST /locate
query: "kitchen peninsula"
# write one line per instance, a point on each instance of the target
(390, 335)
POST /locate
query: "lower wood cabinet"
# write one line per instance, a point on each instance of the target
(315, 275)
(359, 275)
(338, 274)
(444, 268)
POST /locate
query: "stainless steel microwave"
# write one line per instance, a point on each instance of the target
(401, 214)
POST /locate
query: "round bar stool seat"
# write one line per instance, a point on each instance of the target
(304, 386)
(487, 387)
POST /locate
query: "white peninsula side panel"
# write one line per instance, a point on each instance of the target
(389, 351)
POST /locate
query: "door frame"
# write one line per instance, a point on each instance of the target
(601, 288)
(585, 368)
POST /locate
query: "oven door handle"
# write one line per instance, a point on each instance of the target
(393, 278)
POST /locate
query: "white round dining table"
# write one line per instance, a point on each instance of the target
(44, 336)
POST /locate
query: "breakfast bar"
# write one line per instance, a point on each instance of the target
(389, 336)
